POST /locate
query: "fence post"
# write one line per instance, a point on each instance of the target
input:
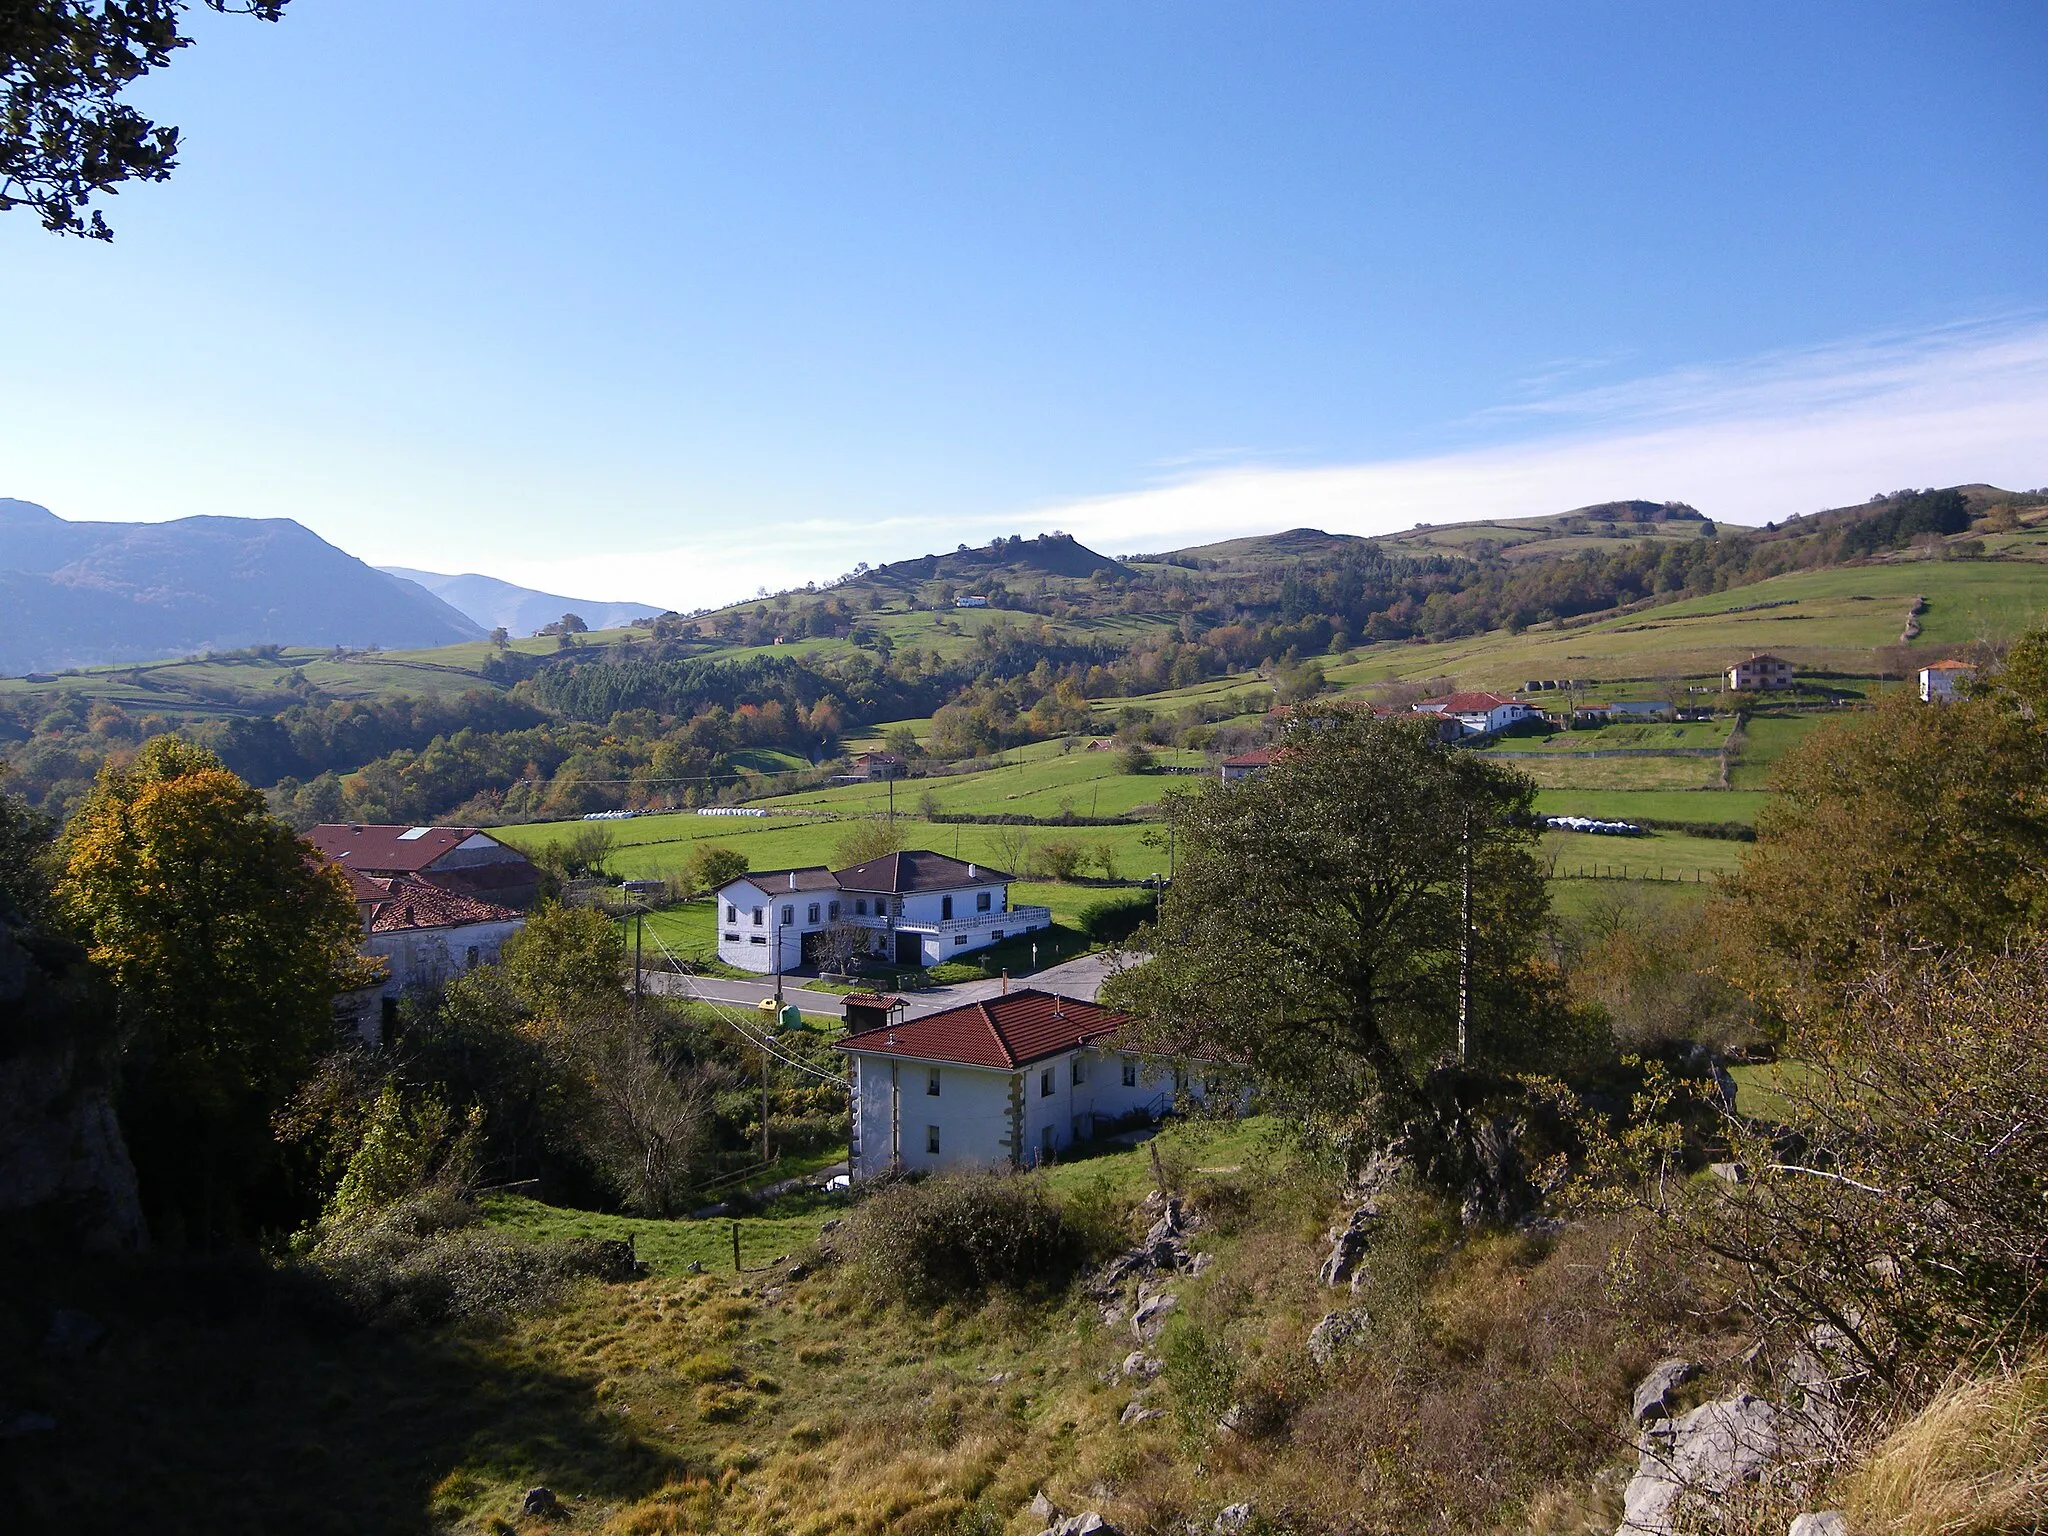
(735, 1247)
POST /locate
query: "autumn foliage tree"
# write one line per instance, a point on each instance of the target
(225, 940)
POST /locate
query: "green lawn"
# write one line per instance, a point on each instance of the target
(1038, 780)
(1766, 738)
(1653, 736)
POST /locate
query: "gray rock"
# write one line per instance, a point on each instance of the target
(1232, 1518)
(1042, 1508)
(1138, 1363)
(541, 1504)
(17, 1425)
(693, 1268)
(1136, 1412)
(1826, 1522)
(796, 1272)
(832, 1226)
(1349, 1245)
(1168, 1226)
(1728, 1173)
(1335, 1334)
(1707, 1451)
(1151, 1316)
(71, 1334)
(1112, 1316)
(1232, 1422)
(1653, 1392)
(1090, 1524)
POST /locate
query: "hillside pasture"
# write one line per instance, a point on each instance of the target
(1706, 805)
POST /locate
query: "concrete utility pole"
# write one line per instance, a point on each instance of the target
(639, 912)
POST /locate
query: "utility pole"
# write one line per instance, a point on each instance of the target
(639, 912)
(1465, 946)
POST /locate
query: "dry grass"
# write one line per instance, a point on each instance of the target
(1974, 1462)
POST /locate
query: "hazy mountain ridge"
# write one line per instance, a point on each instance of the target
(502, 604)
(78, 593)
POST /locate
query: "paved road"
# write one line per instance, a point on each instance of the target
(1080, 978)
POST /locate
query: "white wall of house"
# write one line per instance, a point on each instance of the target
(432, 957)
(895, 1111)
(1938, 685)
(960, 921)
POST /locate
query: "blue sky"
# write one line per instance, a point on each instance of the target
(665, 301)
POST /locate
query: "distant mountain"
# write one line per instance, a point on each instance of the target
(498, 604)
(75, 594)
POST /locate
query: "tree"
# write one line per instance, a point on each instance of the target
(26, 866)
(1913, 828)
(226, 939)
(501, 638)
(564, 959)
(901, 740)
(588, 849)
(711, 866)
(1315, 931)
(870, 838)
(65, 134)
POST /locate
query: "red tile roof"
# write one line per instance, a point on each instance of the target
(1949, 666)
(366, 891)
(915, 869)
(410, 904)
(1258, 759)
(381, 849)
(1004, 1032)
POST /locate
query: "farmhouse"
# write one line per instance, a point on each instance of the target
(1009, 1081)
(914, 908)
(1481, 713)
(1939, 682)
(416, 935)
(1759, 672)
(460, 859)
(872, 767)
(1245, 764)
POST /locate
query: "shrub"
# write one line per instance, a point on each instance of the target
(1115, 918)
(960, 1234)
(1200, 1371)
(426, 1260)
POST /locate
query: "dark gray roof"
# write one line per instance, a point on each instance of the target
(915, 869)
(812, 877)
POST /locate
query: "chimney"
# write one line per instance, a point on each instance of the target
(1006, 983)
(792, 879)
(892, 1037)
(970, 872)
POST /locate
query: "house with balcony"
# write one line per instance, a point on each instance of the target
(1010, 1081)
(915, 908)
(1760, 672)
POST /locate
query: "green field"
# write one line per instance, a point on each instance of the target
(1654, 804)
(652, 846)
(1658, 856)
(1038, 780)
(1832, 620)
(1689, 735)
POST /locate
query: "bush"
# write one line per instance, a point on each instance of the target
(427, 1260)
(957, 1235)
(1115, 918)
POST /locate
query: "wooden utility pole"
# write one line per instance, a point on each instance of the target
(1465, 946)
(639, 912)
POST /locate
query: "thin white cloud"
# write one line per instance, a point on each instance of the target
(1747, 442)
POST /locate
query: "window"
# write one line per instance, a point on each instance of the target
(997, 934)
(931, 1140)
(983, 902)
(960, 938)
(757, 917)
(1046, 1139)
(732, 938)
(860, 907)
(475, 957)
(945, 909)
(757, 939)
(789, 914)
(931, 1082)
(1080, 1071)
(1045, 1083)
(1130, 1073)
(812, 916)
(732, 913)
(832, 912)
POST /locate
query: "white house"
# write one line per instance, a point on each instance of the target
(1008, 1081)
(1245, 764)
(1481, 713)
(1760, 671)
(416, 935)
(1938, 683)
(970, 602)
(914, 908)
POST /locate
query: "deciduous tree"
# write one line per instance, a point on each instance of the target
(226, 939)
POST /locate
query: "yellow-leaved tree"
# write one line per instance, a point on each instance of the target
(225, 939)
